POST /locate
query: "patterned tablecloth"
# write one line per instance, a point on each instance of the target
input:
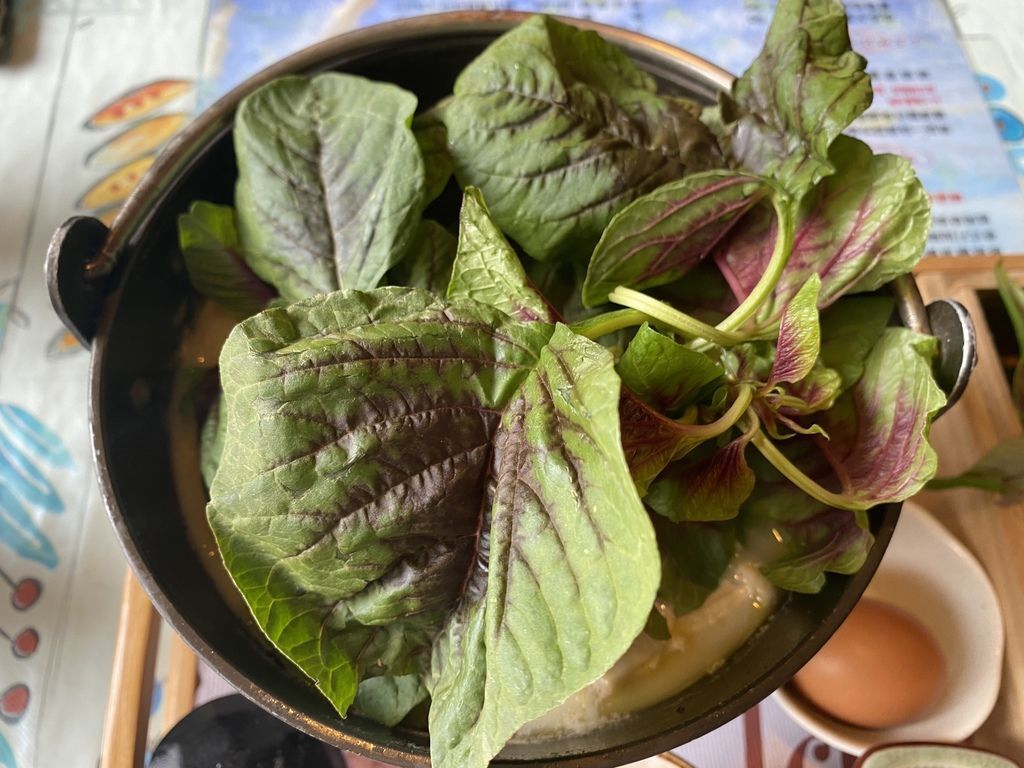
(92, 88)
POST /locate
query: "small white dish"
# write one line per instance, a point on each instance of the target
(928, 573)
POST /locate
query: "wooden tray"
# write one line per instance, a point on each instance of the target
(995, 534)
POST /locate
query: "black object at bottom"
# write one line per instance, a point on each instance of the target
(232, 732)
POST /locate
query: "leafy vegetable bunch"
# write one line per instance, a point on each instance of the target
(449, 466)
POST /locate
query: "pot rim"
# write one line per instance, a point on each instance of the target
(135, 218)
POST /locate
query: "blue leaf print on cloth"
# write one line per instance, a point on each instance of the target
(37, 438)
(25, 443)
(7, 759)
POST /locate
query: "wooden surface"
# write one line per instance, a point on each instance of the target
(995, 534)
(181, 682)
(969, 266)
(131, 683)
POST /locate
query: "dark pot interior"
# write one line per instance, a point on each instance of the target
(144, 413)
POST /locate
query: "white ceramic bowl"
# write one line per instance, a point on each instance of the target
(928, 573)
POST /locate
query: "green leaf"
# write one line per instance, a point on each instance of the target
(487, 269)
(211, 442)
(573, 568)
(849, 330)
(350, 548)
(428, 265)
(802, 91)
(693, 556)
(1013, 299)
(1000, 471)
(798, 539)
(799, 336)
(357, 554)
(559, 129)
(712, 487)
(664, 234)
(208, 239)
(818, 541)
(330, 181)
(459, 674)
(857, 231)
(388, 699)
(432, 137)
(878, 430)
(663, 373)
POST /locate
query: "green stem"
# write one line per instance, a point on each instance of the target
(967, 480)
(788, 401)
(608, 322)
(727, 420)
(670, 317)
(800, 480)
(772, 273)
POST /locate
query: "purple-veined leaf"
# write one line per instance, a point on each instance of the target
(213, 257)
(573, 564)
(560, 130)
(663, 373)
(712, 487)
(331, 182)
(381, 450)
(857, 230)
(817, 391)
(787, 407)
(799, 336)
(487, 269)
(799, 538)
(803, 89)
(650, 440)
(878, 430)
(332, 529)
(825, 540)
(661, 236)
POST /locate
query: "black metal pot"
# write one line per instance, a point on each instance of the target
(125, 292)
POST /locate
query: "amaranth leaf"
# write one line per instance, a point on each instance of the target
(216, 267)
(661, 236)
(573, 567)
(330, 181)
(858, 230)
(802, 91)
(559, 129)
(486, 268)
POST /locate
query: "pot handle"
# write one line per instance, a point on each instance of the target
(958, 348)
(950, 323)
(77, 292)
